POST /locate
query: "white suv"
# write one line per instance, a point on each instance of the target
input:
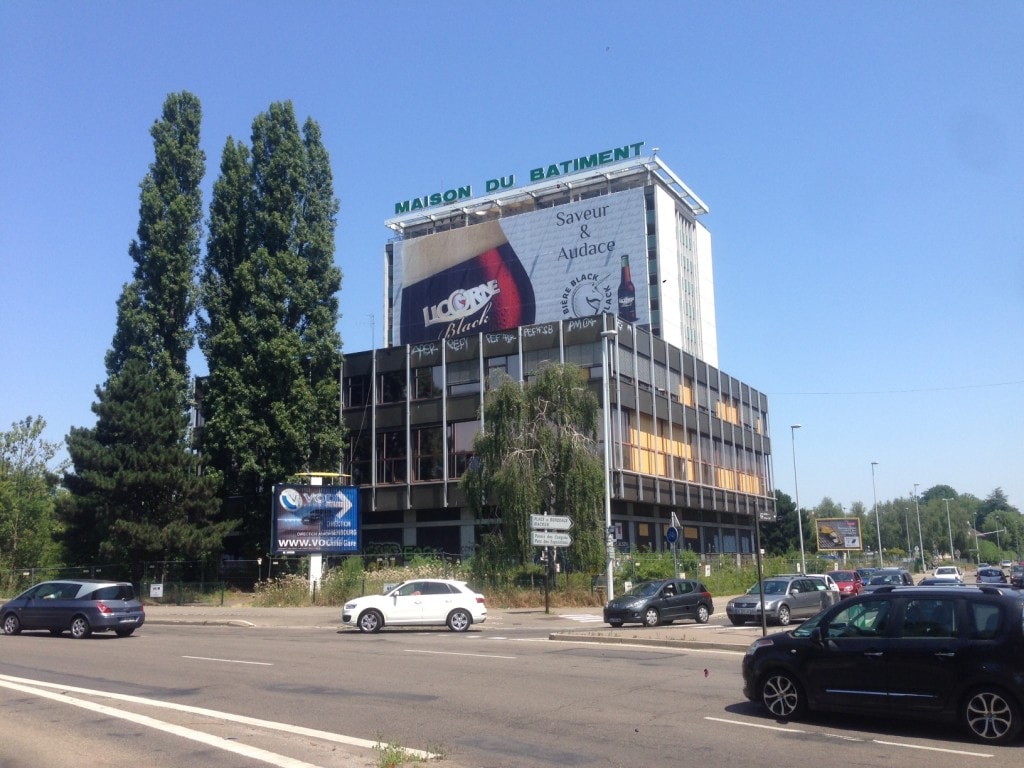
(950, 572)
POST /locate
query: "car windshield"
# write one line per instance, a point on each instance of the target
(843, 576)
(771, 587)
(644, 589)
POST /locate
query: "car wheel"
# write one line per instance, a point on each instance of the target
(702, 614)
(781, 695)
(783, 617)
(991, 716)
(124, 632)
(371, 621)
(616, 622)
(80, 628)
(651, 617)
(736, 620)
(459, 620)
(12, 625)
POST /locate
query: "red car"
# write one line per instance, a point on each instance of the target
(850, 583)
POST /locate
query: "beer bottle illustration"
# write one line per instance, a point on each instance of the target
(627, 294)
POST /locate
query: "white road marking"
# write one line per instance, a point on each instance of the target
(452, 653)
(37, 686)
(932, 749)
(945, 750)
(755, 725)
(229, 661)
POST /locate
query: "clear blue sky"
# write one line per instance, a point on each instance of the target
(863, 163)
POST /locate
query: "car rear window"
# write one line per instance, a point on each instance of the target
(112, 592)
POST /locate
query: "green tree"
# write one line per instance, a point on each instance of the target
(269, 315)
(538, 453)
(138, 493)
(29, 488)
(782, 536)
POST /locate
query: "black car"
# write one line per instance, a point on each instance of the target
(661, 602)
(78, 606)
(1017, 576)
(948, 654)
(888, 577)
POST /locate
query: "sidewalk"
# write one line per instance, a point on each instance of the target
(683, 635)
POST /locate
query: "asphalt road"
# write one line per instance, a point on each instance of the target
(296, 690)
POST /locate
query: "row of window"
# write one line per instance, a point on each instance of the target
(463, 378)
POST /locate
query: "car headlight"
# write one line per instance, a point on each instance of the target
(761, 642)
(349, 606)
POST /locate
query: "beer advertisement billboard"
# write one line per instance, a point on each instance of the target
(575, 260)
(315, 519)
(838, 534)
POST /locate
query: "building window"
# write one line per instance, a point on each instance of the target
(391, 457)
(357, 391)
(426, 382)
(501, 364)
(360, 446)
(391, 387)
(460, 446)
(427, 454)
(464, 377)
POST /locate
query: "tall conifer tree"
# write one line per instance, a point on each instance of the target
(138, 493)
(270, 312)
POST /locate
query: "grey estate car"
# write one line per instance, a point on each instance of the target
(785, 598)
(78, 606)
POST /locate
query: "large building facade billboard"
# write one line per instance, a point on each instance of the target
(313, 519)
(570, 261)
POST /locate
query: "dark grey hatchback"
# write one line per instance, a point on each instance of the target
(78, 606)
(661, 602)
(951, 654)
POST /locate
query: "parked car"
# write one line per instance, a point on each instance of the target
(422, 602)
(823, 582)
(785, 598)
(990, 576)
(78, 606)
(889, 577)
(850, 583)
(865, 573)
(1006, 564)
(949, 654)
(951, 572)
(661, 602)
(1017, 575)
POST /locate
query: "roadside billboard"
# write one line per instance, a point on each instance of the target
(571, 261)
(312, 519)
(838, 534)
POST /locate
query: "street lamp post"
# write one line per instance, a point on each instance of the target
(796, 490)
(607, 336)
(949, 524)
(920, 538)
(878, 526)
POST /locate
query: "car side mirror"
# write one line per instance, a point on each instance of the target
(795, 591)
(817, 637)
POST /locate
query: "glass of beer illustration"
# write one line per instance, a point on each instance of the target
(463, 281)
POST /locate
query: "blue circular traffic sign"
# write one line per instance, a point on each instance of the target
(672, 535)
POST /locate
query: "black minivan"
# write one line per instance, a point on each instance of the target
(951, 654)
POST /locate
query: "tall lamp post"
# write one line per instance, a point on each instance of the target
(920, 539)
(606, 336)
(949, 524)
(796, 490)
(878, 526)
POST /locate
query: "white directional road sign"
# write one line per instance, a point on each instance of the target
(550, 539)
(550, 522)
